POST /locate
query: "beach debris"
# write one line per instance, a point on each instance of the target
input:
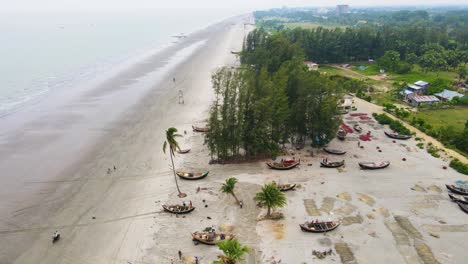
(327, 204)
(345, 210)
(434, 235)
(345, 196)
(425, 253)
(371, 216)
(383, 211)
(322, 183)
(351, 220)
(115, 168)
(345, 253)
(442, 222)
(322, 254)
(108, 171)
(93, 217)
(366, 199)
(311, 208)
(380, 150)
(444, 167)
(208, 217)
(406, 224)
(418, 188)
(403, 159)
(435, 188)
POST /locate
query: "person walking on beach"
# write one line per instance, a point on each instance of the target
(196, 260)
(359, 144)
(180, 255)
(241, 204)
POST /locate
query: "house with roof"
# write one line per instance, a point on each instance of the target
(311, 66)
(416, 100)
(419, 87)
(448, 95)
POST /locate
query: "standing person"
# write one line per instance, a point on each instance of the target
(173, 79)
(180, 255)
(359, 144)
(196, 260)
(172, 260)
(241, 204)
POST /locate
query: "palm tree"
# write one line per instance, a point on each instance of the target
(229, 186)
(173, 146)
(271, 197)
(233, 251)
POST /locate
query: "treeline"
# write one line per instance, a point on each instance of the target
(270, 100)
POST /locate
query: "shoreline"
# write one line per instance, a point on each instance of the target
(61, 194)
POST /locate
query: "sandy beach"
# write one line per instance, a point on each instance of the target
(401, 214)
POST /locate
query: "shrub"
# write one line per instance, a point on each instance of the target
(420, 145)
(395, 125)
(433, 151)
(459, 166)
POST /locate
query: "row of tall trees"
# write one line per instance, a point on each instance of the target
(269, 99)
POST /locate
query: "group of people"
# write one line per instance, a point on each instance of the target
(182, 207)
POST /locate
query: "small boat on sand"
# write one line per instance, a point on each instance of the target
(457, 190)
(334, 151)
(286, 187)
(458, 198)
(178, 209)
(319, 227)
(200, 129)
(397, 136)
(284, 165)
(331, 164)
(211, 238)
(341, 134)
(357, 128)
(374, 165)
(463, 207)
(183, 151)
(192, 175)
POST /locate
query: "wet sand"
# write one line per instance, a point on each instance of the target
(55, 161)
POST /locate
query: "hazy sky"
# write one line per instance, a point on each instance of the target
(50, 5)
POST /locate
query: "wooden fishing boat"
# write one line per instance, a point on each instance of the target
(374, 165)
(397, 136)
(178, 209)
(341, 134)
(463, 207)
(319, 227)
(456, 189)
(331, 164)
(200, 129)
(183, 151)
(283, 165)
(211, 238)
(458, 198)
(334, 151)
(191, 175)
(286, 187)
(357, 128)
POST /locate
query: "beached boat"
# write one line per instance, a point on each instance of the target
(178, 209)
(200, 129)
(342, 111)
(283, 165)
(341, 134)
(334, 151)
(286, 187)
(374, 165)
(463, 207)
(183, 151)
(331, 164)
(319, 227)
(397, 136)
(357, 128)
(456, 189)
(458, 198)
(211, 238)
(191, 175)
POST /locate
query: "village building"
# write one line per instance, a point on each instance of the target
(419, 88)
(312, 66)
(416, 100)
(448, 95)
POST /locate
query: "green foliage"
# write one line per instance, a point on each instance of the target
(437, 86)
(395, 125)
(390, 60)
(434, 151)
(420, 145)
(229, 185)
(271, 197)
(233, 251)
(459, 166)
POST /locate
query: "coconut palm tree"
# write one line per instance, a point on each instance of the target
(271, 197)
(173, 146)
(229, 186)
(233, 251)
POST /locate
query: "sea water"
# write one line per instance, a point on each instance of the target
(41, 53)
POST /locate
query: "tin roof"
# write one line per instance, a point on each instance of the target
(421, 83)
(424, 98)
